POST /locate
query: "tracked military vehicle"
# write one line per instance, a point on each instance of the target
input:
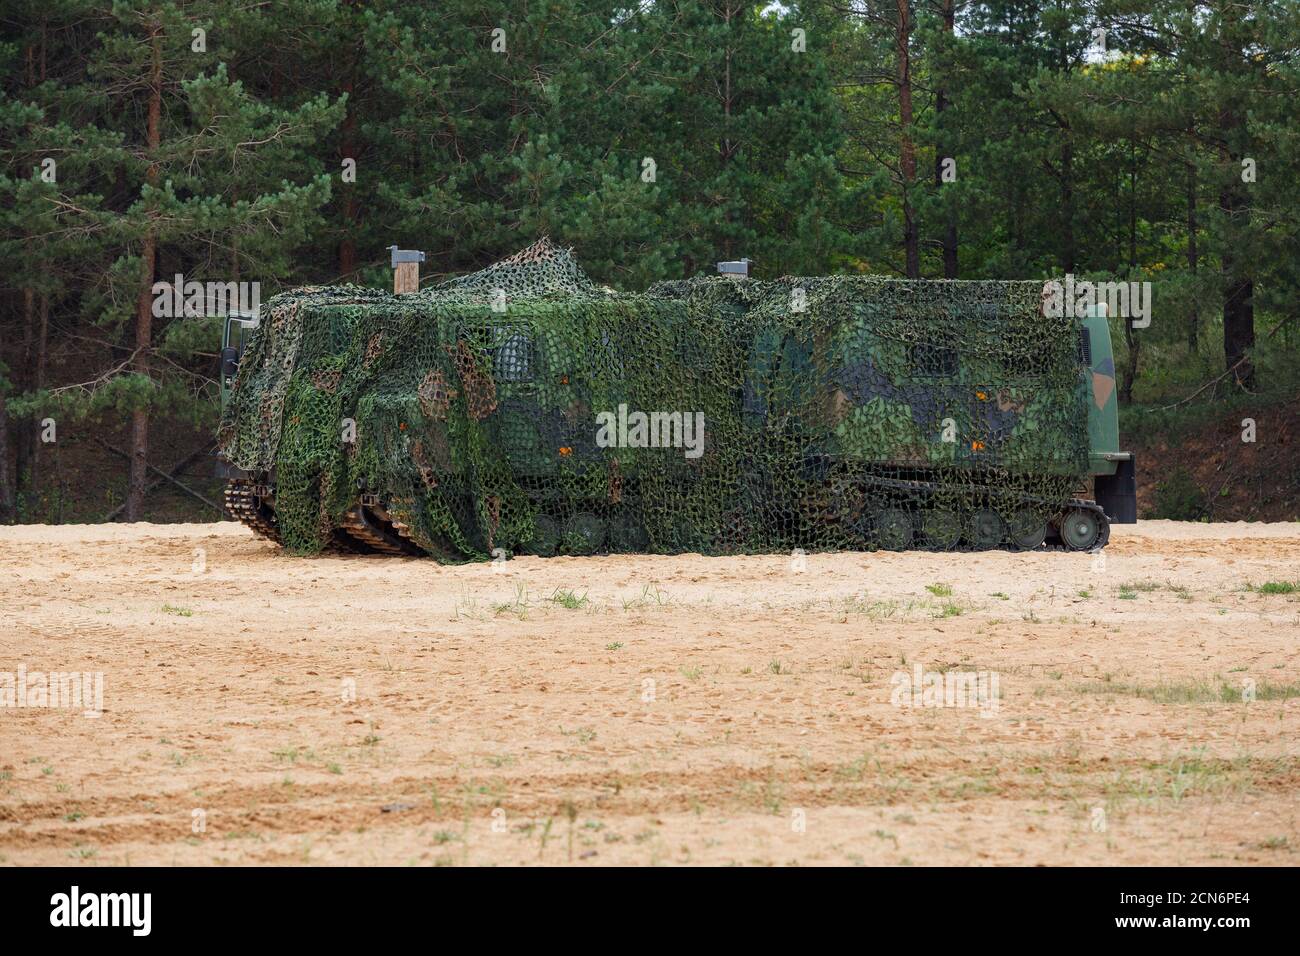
(524, 409)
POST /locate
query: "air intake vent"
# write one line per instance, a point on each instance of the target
(1085, 347)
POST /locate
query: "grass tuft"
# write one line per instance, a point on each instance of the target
(1213, 691)
(565, 597)
(1278, 587)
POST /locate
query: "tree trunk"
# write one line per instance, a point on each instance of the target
(1067, 204)
(26, 438)
(137, 481)
(1194, 322)
(726, 148)
(8, 508)
(348, 150)
(38, 382)
(36, 338)
(1234, 202)
(1239, 326)
(1238, 298)
(949, 241)
(1131, 340)
(907, 149)
(1068, 247)
(1018, 219)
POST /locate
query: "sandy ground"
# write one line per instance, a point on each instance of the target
(260, 708)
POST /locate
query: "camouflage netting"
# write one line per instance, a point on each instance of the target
(844, 412)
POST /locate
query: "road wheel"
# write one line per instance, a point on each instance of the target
(1028, 529)
(986, 530)
(894, 529)
(1081, 529)
(546, 536)
(941, 529)
(628, 535)
(585, 533)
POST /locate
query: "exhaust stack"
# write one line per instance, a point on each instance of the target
(406, 269)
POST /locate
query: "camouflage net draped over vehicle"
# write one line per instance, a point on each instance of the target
(502, 410)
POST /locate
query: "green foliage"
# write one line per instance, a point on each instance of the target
(1278, 587)
(1179, 498)
(1123, 164)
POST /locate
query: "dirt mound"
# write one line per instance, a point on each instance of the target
(1213, 472)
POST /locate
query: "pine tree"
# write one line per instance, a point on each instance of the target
(194, 176)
